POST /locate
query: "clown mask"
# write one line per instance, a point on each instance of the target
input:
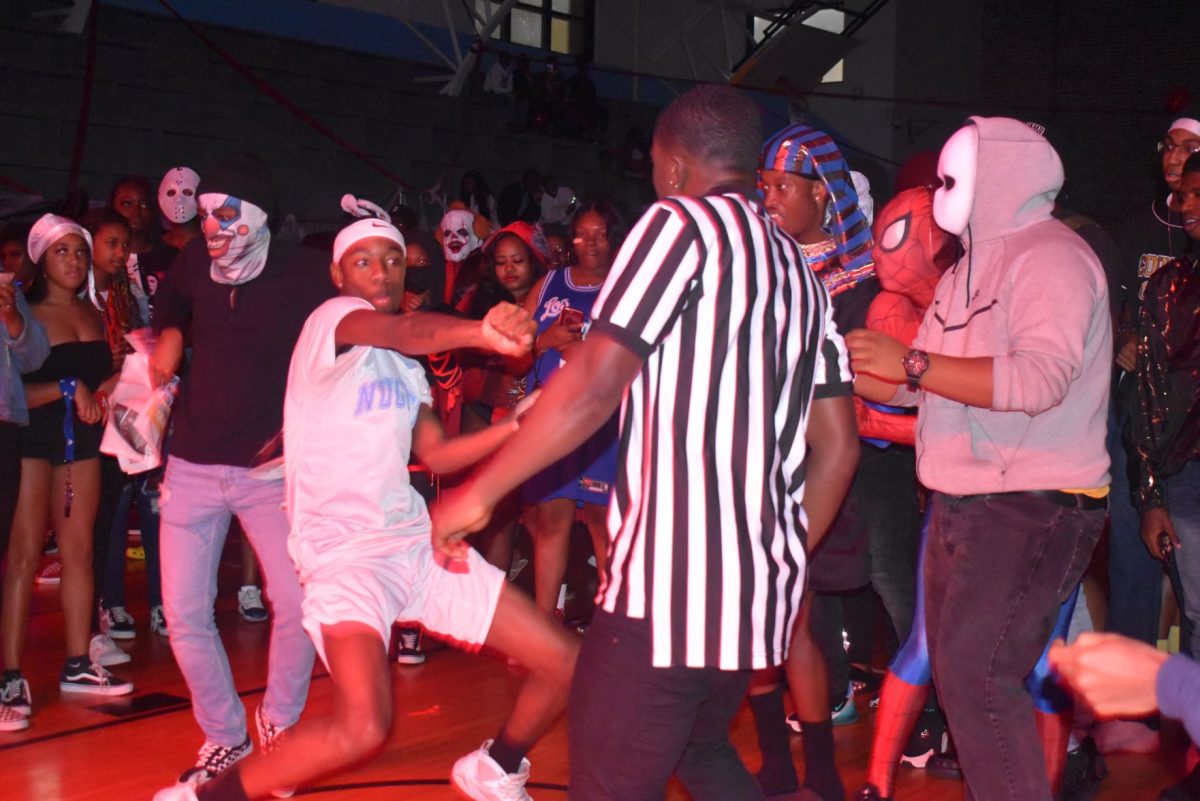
(177, 194)
(237, 237)
(457, 231)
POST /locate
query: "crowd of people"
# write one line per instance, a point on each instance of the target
(764, 398)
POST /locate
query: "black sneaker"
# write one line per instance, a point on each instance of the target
(51, 546)
(269, 735)
(117, 623)
(93, 679)
(15, 695)
(1084, 771)
(927, 738)
(213, 759)
(944, 765)
(409, 652)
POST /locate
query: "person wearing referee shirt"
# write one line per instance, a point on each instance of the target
(1010, 374)
(736, 449)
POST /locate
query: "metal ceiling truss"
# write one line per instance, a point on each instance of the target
(461, 64)
(795, 13)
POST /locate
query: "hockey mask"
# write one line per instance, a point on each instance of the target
(177, 194)
(457, 231)
(237, 237)
(958, 165)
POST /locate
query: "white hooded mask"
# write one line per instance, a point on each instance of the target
(458, 235)
(177, 194)
(957, 166)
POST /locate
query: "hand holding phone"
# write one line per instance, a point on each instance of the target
(571, 317)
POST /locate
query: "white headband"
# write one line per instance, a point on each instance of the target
(48, 230)
(365, 229)
(1186, 123)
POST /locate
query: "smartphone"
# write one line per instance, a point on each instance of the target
(570, 316)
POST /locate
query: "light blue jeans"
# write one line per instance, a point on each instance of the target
(197, 503)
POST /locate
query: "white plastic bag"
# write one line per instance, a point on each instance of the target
(138, 411)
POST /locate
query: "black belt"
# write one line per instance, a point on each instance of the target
(1069, 500)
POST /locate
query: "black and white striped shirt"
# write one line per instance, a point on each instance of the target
(707, 535)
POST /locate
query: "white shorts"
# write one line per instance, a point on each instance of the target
(406, 580)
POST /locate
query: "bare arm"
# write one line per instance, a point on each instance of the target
(42, 394)
(966, 380)
(506, 329)
(573, 405)
(832, 438)
(873, 389)
(443, 454)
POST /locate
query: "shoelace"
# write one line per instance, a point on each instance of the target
(95, 670)
(14, 690)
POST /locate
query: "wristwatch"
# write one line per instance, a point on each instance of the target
(915, 362)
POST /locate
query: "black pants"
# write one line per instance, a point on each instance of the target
(112, 482)
(631, 725)
(996, 571)
(10, 479)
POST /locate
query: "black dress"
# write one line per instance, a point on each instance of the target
(44, 438)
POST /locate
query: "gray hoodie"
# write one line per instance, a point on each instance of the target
(1031, 294)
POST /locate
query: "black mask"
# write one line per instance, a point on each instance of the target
(419, 281)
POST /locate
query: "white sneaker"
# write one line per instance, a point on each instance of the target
(11, 719)
(158, 621)
(103, 651)
(477, 776)
(250, 604)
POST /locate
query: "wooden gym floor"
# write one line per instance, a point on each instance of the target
(89, 748)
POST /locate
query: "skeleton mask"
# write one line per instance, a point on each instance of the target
(237, 245)
(177, 194)
(458, 236)
(957, 165)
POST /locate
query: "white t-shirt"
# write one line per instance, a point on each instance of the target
(555, 207)
(347, 433)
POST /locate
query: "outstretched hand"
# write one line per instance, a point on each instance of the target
(508, 330)
(457, 514)
(1115, 675)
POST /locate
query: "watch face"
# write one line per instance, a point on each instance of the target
(916, 362)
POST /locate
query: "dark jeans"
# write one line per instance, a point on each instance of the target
(1183, 505)
(893, 519)
(142, 489)
(112, 484)
(884, 503)
(630, 725)
(996, 571)
(1134, 576)
(10, 479)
